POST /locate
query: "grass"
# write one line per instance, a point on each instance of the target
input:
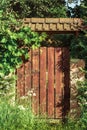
(19, 118)
(15, 116)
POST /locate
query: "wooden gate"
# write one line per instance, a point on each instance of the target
(45, 76)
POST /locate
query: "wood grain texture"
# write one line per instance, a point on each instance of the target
(43, 102)
(51, 82)
(58, 82)
(46, 75)
(28, 75)
(66, 70)
(21, 81)
(35, 80)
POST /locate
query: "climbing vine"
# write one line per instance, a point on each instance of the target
(15, 42)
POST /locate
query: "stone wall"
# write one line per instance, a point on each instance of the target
(76, 74)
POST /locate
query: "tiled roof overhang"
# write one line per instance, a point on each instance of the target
(53, 24)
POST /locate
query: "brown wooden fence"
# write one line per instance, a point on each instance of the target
(46, 74)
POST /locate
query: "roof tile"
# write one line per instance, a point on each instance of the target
(60, 27)
(66, 20)
(38, 27)
(66, 26)
(33, 26)
(53, 27)
(52, 20)
(46, 27)
(53, 24)
(37, 20)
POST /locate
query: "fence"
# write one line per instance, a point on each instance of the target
(47, 75)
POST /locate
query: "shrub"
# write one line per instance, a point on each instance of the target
(15, 117)
(82, 100)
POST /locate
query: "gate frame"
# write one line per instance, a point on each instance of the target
(56, 26)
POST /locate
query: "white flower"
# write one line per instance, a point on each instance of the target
(85, 103)
(34, 94)
(85, 93)
(31, 93)
(21, 107)
(23, 97)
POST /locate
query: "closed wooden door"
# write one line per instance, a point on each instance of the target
(46, 77)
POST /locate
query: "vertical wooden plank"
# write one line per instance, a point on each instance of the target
(20, 81)
(66, 69)
(35, 81)
(58, 83)
(51, 82)
(28, 75)
(43, 81)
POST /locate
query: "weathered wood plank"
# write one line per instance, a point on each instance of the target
(35, 81)
(28, 75)
(66, 70)
(46, 70)
(43, 81)
(51, 82)
(20, 81)
(58, 83)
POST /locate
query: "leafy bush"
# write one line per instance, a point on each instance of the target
(15, 42)
(7, 85)
(13, 118)
(82, 100)
(18, 117)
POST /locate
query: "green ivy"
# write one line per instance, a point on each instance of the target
(15, 42)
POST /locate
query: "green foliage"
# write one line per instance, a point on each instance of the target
(15, 42)
(80, 10)
(13, 118)
(7, 86)
(78, 44)
(39, 8)
(82, 100)
(18, 118)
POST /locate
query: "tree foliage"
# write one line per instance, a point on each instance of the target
(79, 44)
(15, 41)
(39, 8)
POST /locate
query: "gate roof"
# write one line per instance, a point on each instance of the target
(54, 24)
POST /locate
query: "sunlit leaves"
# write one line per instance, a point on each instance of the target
(15, 42)
(39, 8)
(4, 40)
(1, 13)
